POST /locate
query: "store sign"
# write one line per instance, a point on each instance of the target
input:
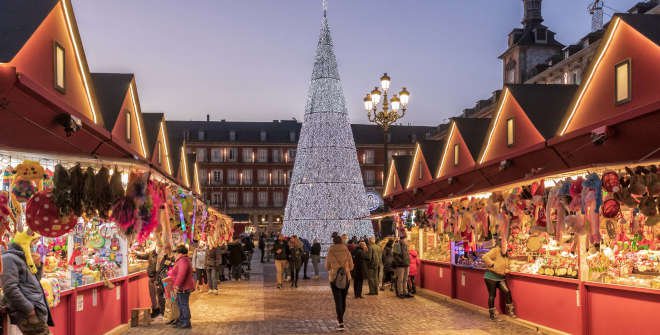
(95, 297)
(80, 300)
(373, 201)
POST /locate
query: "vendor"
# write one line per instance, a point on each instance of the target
(497, 262)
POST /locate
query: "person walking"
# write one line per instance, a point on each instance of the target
(212, 255)
(497, 262)
(401, 266)
(199, 262)
(248, 247)
(280, 250)
(296, 252)
(25, 299)
(388, 266)
(360, 268)
(307, 248)
(414, 266)
(183, 285)
(339, 264)
(315, 254)
(262, 246)
(374, 263)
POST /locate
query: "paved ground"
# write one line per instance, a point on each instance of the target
(258, 307)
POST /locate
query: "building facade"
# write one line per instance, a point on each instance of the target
(245, 167)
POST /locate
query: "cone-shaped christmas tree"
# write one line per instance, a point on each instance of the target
(326, 194)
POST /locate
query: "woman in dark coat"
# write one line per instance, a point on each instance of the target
(388, 260)
(360, 268)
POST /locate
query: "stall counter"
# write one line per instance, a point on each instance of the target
(436, 276)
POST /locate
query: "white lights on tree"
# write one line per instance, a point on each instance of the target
(326, 194)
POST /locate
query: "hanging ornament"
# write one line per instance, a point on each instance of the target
(43, 216)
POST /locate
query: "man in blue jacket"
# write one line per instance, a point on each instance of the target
(25, 298)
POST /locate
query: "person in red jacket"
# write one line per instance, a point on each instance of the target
(183, 285)
(414, 265)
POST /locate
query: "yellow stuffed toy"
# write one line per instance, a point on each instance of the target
(23, 239)
(28, 180)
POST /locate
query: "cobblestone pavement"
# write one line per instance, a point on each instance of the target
(258, 307)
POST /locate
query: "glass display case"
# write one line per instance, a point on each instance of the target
(435, 246)
(542, 254)
(465, 255)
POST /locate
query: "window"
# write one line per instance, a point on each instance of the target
(511, 76)
(369, 156)
(369, 177)
(201, 154)
(292, 136)
(277, 155)
(262, 155)
(248, 199)
(576, 78)
(278, 199)
(263, 136)
(248, 155)
(510, 132)
(232, 135)
(292, 155)
(541, 35)
(203, 176)
(247, 176)
(420, 170)
(456, 152)
(232, 177)
(216, 199)
(201, 135)
(216, 155)
(278, 177)
(217, 176)
(232, 199)
(233, 154)
(159, 156)
(622, 82)
(566, 78)
(262, 177)
(128, 126)
(58, 67)
(262, 199)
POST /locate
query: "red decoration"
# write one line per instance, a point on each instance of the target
(611, 208)
(42, 216)
(610, 181)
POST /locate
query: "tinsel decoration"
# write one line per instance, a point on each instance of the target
(327, 193)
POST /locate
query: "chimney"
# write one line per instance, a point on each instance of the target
(208, 118)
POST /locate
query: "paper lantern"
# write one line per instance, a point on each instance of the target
(43, 216)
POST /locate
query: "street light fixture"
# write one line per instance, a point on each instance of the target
(391, 111)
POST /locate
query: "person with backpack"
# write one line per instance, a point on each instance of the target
(401, 266)
(315, 254)
(25, 299)
(339, 264)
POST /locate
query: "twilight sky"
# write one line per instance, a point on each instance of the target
(251, 60)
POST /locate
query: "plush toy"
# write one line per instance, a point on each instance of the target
(43, 216)
(23, 239)
(591, 202)
(28, 180)
(610, 182)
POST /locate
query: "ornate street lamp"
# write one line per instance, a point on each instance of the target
(391, 111)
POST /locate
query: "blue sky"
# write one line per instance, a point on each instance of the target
(251, 60)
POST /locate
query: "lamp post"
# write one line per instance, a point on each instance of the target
(391, 111)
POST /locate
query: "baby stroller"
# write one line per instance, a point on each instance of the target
(245, 266)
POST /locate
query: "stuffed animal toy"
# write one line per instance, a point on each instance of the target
(24, 239)
(43, 216)
(610, 182)
(592, 199)
(28, 180)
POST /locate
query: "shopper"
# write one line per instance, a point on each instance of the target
(401, 267)
(307, 248)
(248, 248)
(262, 245)
(151, 256)
(388, 266)
(339, 262)
(199, 261)
(25, 299)
(236, 257)
(497, 262)
(414, 267)
(183, 285)
(296, 252)
(315, 254)
(360, 268)
(374, 263)
(213, 257)
(280, 250)
(165, 263)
